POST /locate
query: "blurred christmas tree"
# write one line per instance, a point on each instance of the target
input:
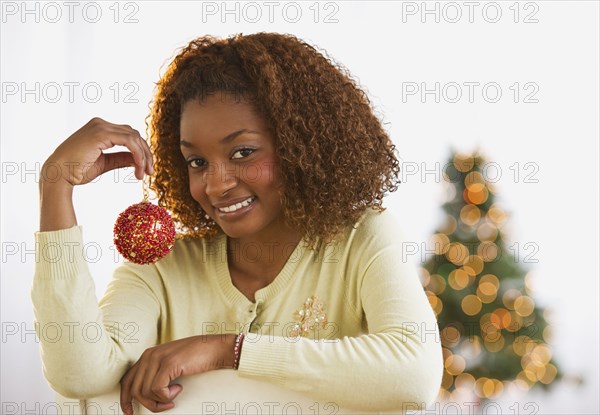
(492, 332)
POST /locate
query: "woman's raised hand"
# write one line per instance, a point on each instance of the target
(80, 158)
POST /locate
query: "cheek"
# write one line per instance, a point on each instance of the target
(197, 189)
(255, 175)
(266, 173)
(265, 178)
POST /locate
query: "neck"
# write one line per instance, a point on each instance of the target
(261, 257)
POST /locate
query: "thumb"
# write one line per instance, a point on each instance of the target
(174, 390)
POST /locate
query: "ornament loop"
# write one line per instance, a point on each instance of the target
(145, 187)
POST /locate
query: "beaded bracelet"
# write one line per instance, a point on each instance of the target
(239, 339)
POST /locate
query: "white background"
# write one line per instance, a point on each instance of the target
(553, 201)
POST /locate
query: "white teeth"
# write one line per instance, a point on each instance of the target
(237, 206)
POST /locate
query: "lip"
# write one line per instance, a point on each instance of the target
(231, 202)
(237, 213)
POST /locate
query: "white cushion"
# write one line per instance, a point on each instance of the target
(220, 392)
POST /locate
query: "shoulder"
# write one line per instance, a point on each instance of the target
(371, 217)
(370, 254)
(383, 227)
(375, 234)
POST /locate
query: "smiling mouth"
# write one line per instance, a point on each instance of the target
(237, 206)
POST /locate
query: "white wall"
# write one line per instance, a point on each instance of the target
(388, 47)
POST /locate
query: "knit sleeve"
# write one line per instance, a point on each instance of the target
(87, 346)
(397, 365)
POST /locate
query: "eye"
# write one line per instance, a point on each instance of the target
(242, 152)
(196, 163)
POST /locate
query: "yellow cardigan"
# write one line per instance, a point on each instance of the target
(349, 324)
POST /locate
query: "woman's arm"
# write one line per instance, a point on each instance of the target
(91, 351)
(83, 354)
(398, 365)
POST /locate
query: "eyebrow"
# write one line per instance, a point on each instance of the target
(228, 138)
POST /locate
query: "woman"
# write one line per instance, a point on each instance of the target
(274, 167)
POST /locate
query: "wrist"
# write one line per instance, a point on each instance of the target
(228, 350)
(237, 350)
(56, 204)
(52, 182)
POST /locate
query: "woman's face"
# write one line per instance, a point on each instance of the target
(232, 165)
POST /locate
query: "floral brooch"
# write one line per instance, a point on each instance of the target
(309, 317)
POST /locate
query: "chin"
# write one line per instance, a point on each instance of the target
(237, 231)
(247, 230)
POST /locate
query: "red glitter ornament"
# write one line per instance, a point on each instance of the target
(144, 233)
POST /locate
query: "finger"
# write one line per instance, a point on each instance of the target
(128, 393)
(130, 140)
(174, 390)
(139, 141)
(126, 397)
(149, 157)
(153, 388)
(160, 387)
(144, 146)
(134, 137)
(137, 382)
(117, 160)
(148, 400)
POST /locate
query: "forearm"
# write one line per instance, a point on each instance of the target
(81, 357)
(64, 301)
(393, 371)
(93, 348)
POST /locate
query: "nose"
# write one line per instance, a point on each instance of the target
(220, 178)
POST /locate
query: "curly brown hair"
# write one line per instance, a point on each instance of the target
(336, 159)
